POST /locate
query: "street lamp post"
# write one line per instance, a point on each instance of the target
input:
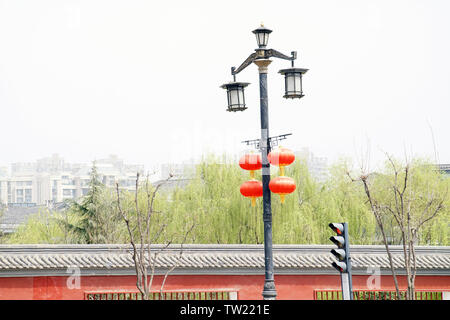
(293, 89)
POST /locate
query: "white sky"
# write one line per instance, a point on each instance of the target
(141, 79)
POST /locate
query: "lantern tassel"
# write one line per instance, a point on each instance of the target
(253, 201)
(252, 174)
(282, 198)
(281, 170)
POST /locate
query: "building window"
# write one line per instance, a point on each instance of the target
(67, 193)
(28, 195)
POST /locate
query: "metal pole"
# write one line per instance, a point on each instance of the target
(345, 286)
(348, 262)
(269, 291)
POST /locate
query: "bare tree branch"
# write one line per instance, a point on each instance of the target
(133, 244)
(410, 209)
(144, 256)
(178, 260)
(376, 212)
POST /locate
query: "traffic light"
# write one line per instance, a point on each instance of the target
(339, 240)
(342, 253)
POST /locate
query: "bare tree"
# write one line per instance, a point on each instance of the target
(143, 231)
(412, 195)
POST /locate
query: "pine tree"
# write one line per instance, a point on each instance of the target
(88, 229)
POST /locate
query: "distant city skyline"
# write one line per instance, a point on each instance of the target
(52, 180)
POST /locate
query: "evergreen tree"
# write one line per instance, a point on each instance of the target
(89, 228)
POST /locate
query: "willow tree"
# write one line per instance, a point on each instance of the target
(225, 216)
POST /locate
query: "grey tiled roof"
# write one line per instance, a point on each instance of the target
(13, 217)
(211, 259)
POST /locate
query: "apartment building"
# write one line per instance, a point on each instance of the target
(52, 180)
(317, 166)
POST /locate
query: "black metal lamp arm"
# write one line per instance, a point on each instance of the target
(245, 64)
(263, 54)
(277, 54)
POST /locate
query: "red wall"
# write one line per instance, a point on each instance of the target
(248, 287)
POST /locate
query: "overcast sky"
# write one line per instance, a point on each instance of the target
(141, 79)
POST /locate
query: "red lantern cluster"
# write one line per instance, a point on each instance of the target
(281, 185)
(252, 189)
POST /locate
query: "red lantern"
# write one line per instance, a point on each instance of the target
(281, 157)
(282, 186)
(252, 162)
(252, 189)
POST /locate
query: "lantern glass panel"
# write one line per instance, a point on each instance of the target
(236, 98)
(266, 39)
(293, 84)
(290, 83)
(258, 39)
(262, 38)
(241, 97)
(298, 82)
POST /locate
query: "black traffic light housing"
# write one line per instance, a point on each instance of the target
(341, 241)
(342, 253)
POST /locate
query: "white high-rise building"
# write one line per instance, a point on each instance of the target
(317, 166)
(52, 180)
